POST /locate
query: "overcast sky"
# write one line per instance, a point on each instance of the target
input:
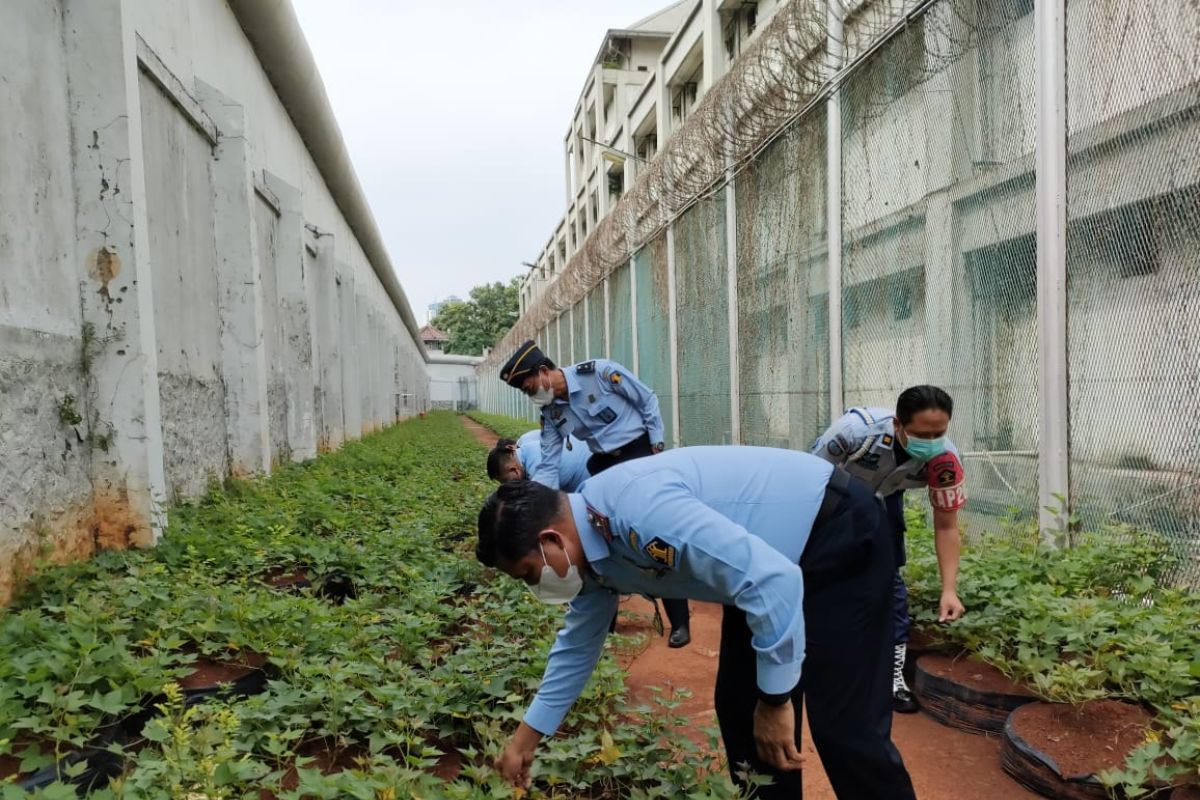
(454, 114)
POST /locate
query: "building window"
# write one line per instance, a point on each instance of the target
(1124, 239)
(616, 184)
(900, 296)
(647, 146)
(683, 100)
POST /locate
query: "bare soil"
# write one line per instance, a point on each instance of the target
(1085, 739)
(945, 764)
(486, 436)
(280, 579)
(973, 674)
(207, 673)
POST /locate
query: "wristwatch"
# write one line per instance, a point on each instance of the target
(774, 700)
(659, 447)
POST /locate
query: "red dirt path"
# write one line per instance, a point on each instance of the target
(945, 764)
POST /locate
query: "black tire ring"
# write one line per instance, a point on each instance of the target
(962, 707)
(1037, 772)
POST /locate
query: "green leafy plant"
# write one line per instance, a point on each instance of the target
(432, 659)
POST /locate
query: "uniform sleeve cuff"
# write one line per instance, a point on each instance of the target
(542, 718)
(777, 678)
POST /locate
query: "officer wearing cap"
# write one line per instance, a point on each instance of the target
(602, 403)
(599, 401)
(894, 451)
(517, 461)
(799, 553)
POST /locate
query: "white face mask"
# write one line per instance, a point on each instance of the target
(557, 590)
(543, 396)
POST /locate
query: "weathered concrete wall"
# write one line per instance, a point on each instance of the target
(44, 456)
(182, 297)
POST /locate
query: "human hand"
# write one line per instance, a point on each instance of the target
(775, 736)
(514, 763)
(950, 607)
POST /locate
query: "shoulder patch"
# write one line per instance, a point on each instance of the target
(633, 539)
(600, 523)
(886, 440)
(585, 368)
(615, 378)
(661, 552)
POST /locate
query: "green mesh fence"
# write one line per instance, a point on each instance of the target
(783, 291)
(653, 326)
(701, 275)
(620, 316)
(938, 272)
(562, 341)
(1133, 260)
(579, 343)
(548, 339)
(595, 321)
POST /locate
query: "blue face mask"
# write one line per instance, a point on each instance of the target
(925, 449)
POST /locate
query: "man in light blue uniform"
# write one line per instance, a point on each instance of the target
(907, 449)
(517, 461)
(602, 403)
(798, 551)
(598, 401)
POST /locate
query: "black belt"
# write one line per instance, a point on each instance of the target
(633, 443)
(836, 490)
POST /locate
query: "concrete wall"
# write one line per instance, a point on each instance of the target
(182, 295)
(452, 382)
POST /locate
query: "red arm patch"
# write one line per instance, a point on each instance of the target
(947, 483)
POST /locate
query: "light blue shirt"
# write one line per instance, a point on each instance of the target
(572, 467)
(605, 406)
(863, 440)
(721, 524)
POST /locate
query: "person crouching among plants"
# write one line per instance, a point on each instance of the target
(894, 451)
(519, 460)
(800, 554)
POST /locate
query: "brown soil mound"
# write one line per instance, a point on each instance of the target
(1085, 739)
(972, 674)
(207, 672)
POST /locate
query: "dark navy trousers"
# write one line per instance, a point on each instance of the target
(849, 565)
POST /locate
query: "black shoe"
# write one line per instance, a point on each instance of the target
(680, 637)
(903, 702)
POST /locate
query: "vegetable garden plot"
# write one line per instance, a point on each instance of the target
(1080, 627)
(407, 687)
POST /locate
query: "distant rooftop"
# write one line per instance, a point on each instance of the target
(665, 20)
(432, 334)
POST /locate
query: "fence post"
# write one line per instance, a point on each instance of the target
(673, 333)
(835, 49)
(1051, 182)
(633, 310)
(607, 322)
(731, 275)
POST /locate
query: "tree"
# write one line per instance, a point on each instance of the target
(481, 321)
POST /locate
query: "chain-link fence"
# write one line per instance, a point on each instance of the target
(934, 256)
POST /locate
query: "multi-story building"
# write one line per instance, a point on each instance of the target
(643, 83)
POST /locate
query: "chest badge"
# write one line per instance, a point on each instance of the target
(660, 552)
(600, 523)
